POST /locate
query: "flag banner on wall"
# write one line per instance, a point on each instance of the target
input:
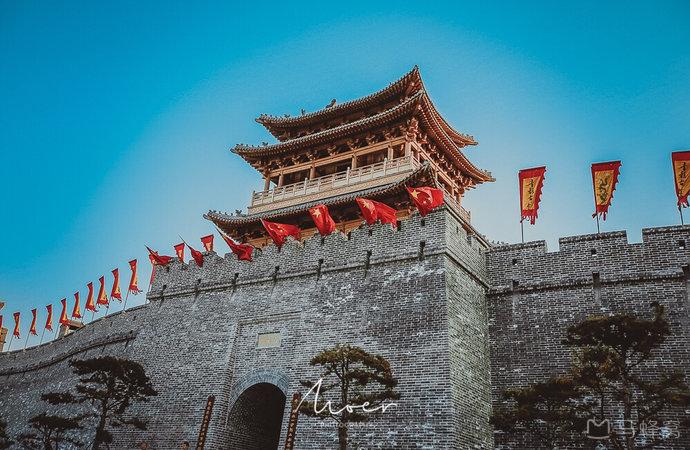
(604, 179)
(197, 256)
(322, 219)
(280, 231)
(179, 251)
(681, 173)
(207, 242)
(115, 291)
(531, 182)
(63, 315)
(425, 198)
(242, 251)
(102, 296)
(16, 325)
(76, 312)
(134, 279)
(157, 259)
(49, 320)
(373, 211)
(32, 328)
(90, 305)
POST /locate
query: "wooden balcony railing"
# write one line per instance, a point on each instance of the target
(336, 180)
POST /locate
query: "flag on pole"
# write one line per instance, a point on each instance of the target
(604, 179)
(16, 325)
(531, 182)
(49, 320)
(322, 219)
(102, 296)
(134, 280)
(373, 211)
(115, 291)
(207, 242)
(90, 305)
(425, 198)
(197, 256)
(157, 259)
(0, 322)
(280, 231)
(76, 312)
(63, 316)
(681, 172)
(179, 251)
(32, 328)
(243, 251)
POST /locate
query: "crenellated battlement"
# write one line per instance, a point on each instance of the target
(609, 257)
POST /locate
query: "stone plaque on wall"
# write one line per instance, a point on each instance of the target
(268, 340)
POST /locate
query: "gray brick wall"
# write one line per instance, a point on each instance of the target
(535, 295)
(378, 288)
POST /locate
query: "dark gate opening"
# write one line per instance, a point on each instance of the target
(256, 418)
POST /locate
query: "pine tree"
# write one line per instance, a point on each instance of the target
(48, 432)
(109, 386)
(351, 378)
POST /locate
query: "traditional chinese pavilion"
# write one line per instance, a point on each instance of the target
(372, 147)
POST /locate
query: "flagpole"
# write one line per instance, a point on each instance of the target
(27, 339)
(42, 334)
(680, 211)
(522, 230)
(598, 230)
(11, 339)
(124, 305)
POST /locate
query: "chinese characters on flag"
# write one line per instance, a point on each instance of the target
(207, 242)
(90, 305)
(115, 291)
(134, 279)
(16, 325)
(179, 251)
(604, 179)
(531, 182)
(102, 296)
(76, 312)
(681, 175)
(63, 315)
(49, 320)
(32, 329)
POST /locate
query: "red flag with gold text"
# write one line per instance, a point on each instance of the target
(32, 328)
(604, 179)
(102, 296)
(90, 305)
(49, 319)
(373, 211)
(681, 175)
(134, 279)
(63, 315)
(207, 242)
(425, 198)
(76, 311)
(322, 219)
(16, 325)
(280, 231)
(179, 251)
(115, 291)
(530, 185)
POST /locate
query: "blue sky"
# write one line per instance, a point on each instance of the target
(115, 120)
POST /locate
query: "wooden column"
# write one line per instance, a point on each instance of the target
(312, 172)
(354, 161)
(280, 179)
(390, 152)
(267, 183)
(408, 148)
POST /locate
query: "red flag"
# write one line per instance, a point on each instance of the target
(207, 242)
(681, 175)
(63, 316)
(604, 179)
(280, 231)
(197, 256)
(373, 211)
(243, 251)
(425, 198)
(133, 288)
(49, 320)
(90, 305)
(0, 322)
(322, 219)
(179, 251)
(76, 312)
(115, 291)
(102, 296)
(155, 258)
(531, 182)
(32, 329)
(16, 325)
